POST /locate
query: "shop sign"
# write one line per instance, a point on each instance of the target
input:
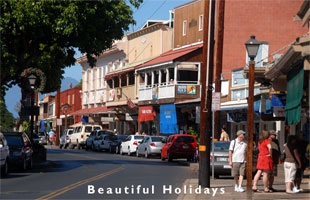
(155, 93)
(237, 117)
(119, 92)
(129, 117)
(111, 95)
(186, 89)
(107, 119)
(278, 100)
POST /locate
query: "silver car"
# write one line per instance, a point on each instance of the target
(4, 155)
(64, 140)
(150, 145)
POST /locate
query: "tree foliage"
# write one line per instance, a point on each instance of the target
(79, 84)
(44, 34)
(6, 118)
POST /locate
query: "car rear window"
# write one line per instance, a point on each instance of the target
(14, 140)
(88, 129)
(70, 132)
(185, 139)
(221, 146)
(157, 139)
(139, 137)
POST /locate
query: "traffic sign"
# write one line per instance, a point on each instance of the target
(216, 101)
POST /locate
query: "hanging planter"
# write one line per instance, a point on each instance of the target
(40, 77)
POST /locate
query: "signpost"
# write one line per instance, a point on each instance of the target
(216, 105)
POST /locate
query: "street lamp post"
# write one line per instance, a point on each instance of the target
(252, 46)
(32, 81)
(65, 109)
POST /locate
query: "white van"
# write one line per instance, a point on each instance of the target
(80, 134)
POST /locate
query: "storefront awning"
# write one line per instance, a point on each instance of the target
(97, 110)
(146, 113)
(295, 82)
(116, 74)
(168, 119)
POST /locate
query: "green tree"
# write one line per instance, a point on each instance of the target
(6, 118)
(79, 84)
(45, 34)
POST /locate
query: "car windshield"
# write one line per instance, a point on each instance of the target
(157, 139)
(221, 146)
(14, 140)
(185, 139)
(139, 137)
(88, 129)
(121, 137)
(97, 128)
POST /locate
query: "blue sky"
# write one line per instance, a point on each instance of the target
(149, 9)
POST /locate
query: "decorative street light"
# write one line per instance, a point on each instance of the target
(252, 46)
(65, 109)
(32, 81)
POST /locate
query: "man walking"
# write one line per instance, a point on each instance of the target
(237, 159)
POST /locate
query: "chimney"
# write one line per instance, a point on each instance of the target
(70, 85)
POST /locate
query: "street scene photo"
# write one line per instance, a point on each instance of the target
(155, 99)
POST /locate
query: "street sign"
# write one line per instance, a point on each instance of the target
(216, 101)
(59, 122)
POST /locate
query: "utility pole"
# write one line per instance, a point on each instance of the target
(206, 94)
(219, 60)
(57, 116)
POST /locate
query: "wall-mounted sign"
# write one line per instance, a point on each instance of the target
(111, 95)
(129, 117)
(119, 92)
(107, 119)
(186, 89)
(216, 101)
(155, 93)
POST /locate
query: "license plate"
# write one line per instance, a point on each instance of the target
(185, 146)
(227, 166)
(222, 159)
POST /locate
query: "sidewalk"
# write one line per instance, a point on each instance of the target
(222, 188)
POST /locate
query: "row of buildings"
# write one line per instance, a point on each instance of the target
(150, 80)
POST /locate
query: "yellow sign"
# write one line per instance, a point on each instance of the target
(202, 148)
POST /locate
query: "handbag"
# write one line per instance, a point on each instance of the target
(283, 156)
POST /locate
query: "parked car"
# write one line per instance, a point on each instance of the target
(179, 146)
(151, 145)
(20, 149)
(80, 134)
(221, 159)
(35, 137)
(115, 145)
(92, 140)
(104, 141)
(64, 140)
(4, 155)
(129, 146)
(43, 138)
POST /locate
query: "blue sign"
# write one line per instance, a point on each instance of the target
(278, 100)
(182, 89)
(168, 119)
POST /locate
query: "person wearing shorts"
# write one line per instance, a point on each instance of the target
(237, 159)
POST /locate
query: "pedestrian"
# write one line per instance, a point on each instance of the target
(51, 136)
(276, 152)
(264, 161)
(237, 159)
(224, 136)
(291, 163)
(301, 149)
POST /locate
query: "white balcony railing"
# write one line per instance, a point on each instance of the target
(166, 91)
(163, 92)
(145, 94)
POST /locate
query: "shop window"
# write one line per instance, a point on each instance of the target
(132, 78)
(163, 76)
(187, 77)
(116, 82)
(124, 80)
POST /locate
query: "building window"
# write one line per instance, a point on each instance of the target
(109, 82)
(124, 80)
(239, 94)
(171, 75)
(100, 77)
(115, 66)
(50, 109)
(200, 22)
(184, 27)
(131, 78)
(116, 82)
(156, 77)
(163, 76)
(68, 99)
(73, 99)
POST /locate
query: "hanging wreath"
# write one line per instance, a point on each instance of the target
(39, 74)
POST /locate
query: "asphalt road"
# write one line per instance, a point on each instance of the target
(80, 174)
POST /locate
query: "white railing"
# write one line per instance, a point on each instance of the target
(145, 94)
(166, 91)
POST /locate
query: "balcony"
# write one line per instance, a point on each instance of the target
(118, 96)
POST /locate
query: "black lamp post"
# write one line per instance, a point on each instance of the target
(252, 46)
(32, 81)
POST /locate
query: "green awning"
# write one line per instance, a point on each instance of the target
(295, 82)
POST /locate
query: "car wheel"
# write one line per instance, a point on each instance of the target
(116, 150)
(169, 157)
(162, 156)
(30, 164)
(146, 153)
(128, 151)
(121, 151)
(5, 169)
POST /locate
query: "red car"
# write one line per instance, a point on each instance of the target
(179, 146)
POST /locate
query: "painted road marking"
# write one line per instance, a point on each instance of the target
(79, 183)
